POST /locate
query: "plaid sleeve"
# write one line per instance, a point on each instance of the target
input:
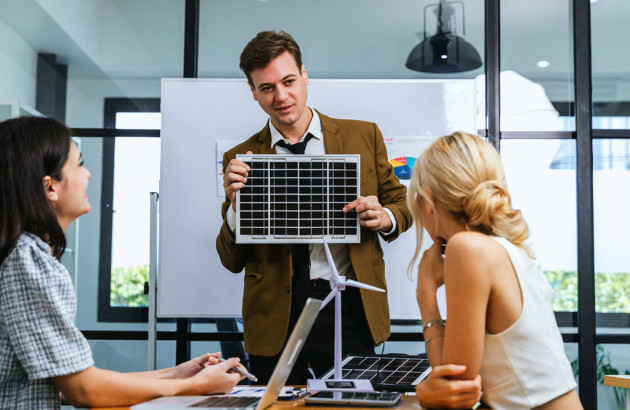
(37, 308)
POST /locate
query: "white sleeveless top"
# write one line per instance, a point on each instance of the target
(525, 365)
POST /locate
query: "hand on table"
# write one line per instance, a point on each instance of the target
(194, 366)
(438, 391)
(215, 378)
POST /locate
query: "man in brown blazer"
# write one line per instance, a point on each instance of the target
(279, 277)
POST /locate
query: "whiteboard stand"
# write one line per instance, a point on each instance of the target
(153, 245)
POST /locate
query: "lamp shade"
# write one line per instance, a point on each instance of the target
(443, 53)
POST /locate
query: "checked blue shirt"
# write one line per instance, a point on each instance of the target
(38, 337)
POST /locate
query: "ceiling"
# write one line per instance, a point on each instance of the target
(140, 39)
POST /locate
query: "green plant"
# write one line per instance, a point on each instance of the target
(564, 284)
(611, 291)
(127, 286)
(605, 367)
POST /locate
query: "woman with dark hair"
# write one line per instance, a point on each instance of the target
(42, 190)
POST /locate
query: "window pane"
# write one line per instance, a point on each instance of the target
(610, 61)
(338, 39)
(136, 174)
(536, 65)
(541, 179)
(612, 359)
(611, 201)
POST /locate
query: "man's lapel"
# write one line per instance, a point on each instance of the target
(332, 140)
(264, 138)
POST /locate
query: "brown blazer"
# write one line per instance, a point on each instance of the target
(267, 292)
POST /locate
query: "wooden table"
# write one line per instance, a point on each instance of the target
(407, 403)
(620, 381)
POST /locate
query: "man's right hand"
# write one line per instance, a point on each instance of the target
(235, 178)
(438, 391)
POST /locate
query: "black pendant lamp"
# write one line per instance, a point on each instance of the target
(443, 52)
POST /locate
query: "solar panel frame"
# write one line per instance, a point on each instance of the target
(394, 372)
(298, 199)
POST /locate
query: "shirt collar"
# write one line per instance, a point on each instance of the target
(315, 128)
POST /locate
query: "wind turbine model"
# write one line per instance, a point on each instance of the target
(337, 285)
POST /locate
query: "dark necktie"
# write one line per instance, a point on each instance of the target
(301, 258)
(298, 148)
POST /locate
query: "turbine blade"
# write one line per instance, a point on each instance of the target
(331, 295)
(331, 262)
(356, 284)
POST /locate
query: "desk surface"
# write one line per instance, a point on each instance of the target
(617, 381)
(407, 403)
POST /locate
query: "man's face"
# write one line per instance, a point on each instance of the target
(280, 89)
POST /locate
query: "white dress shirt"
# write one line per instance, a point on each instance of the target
(319, 262)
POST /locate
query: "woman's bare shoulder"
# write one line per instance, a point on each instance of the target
(474, 249)
(469, 241)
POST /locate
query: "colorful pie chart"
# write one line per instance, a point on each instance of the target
(403, 166)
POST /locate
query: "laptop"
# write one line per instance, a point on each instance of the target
(276, 382)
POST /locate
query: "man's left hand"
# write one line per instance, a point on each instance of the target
(371, 213)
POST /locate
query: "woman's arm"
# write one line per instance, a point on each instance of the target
(96, 387)
(430, 278)
(468, 267)
(183, 370)
(438, 391)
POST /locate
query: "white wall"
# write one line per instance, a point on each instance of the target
(18, 67)
(81, 20)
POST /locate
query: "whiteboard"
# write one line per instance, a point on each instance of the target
(199, 113)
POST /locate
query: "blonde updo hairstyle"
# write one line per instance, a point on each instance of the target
(465, 175)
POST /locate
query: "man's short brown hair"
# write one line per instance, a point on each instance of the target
(266, 46)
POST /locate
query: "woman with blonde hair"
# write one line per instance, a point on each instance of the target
(501, 324)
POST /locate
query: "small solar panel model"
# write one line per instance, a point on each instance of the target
(298, 199)
(396, 372)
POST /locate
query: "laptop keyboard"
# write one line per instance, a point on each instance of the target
(227, 402)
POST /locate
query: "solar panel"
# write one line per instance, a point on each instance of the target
(298, 198)
(387, 372)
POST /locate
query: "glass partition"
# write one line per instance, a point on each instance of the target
(610, 64)
(611, 200)
(537, 66)
(541, 180)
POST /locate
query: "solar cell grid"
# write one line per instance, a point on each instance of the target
(400, 373)
(291, 199)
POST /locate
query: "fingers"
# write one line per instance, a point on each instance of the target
(212, 360)
(370, 211)
(230, 363)
(457, 402)
(238, 167)
(463, 393)
(362, 204)
(445, 370)
(207, 359)
(235, 178)
(203, 358)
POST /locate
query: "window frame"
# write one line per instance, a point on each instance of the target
(585, 332)
(106, 312)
